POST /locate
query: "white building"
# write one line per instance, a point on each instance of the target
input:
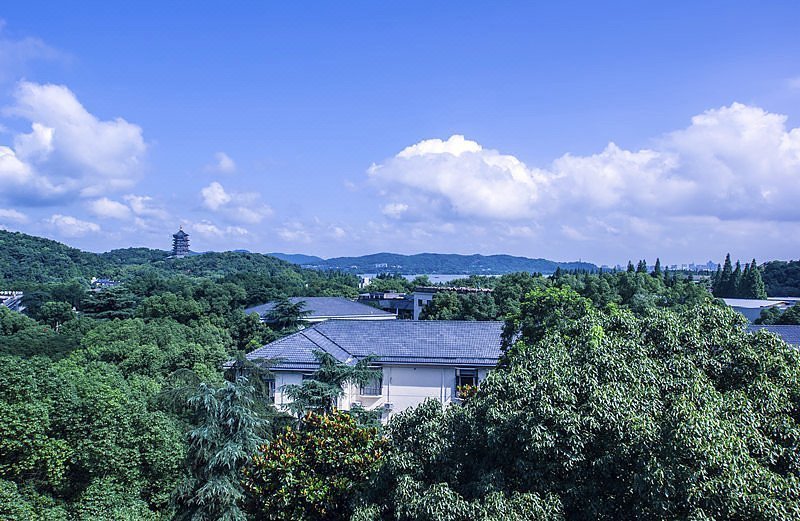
(417, 359)
(751, 308)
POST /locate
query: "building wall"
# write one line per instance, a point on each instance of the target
(403, 387)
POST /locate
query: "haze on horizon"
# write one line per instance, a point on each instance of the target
(570, 131)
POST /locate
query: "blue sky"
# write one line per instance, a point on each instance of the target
(601, 132)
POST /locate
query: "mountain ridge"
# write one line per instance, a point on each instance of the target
(435, 263)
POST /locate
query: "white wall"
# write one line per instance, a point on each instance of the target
(403, 387)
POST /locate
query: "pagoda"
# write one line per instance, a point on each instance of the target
(180, 244)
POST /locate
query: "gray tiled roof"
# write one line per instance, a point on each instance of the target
(395, 342)
(325, 307)
(789, 334)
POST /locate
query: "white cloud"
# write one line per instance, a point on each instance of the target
(69, 226)
(395, 210)
(460, 177)
(69, 151)
(215, 196)
(105, 207)
(207, 228)
(294, 231)
(36, 145)
(143, 205)
(239, 207)
(737, 162)
(223, 164)
(8, 214)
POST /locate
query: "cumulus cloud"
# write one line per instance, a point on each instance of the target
(737, 162)
(222, 164)
(106, 208)
(68, 226)
(8, 214)
(68, 151)
(239, 207)
(145, 206)
(215, 196)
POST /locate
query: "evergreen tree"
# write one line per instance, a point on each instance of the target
(736, 281)
(667, 280)
(631, 269)
(657, 268)
(319, 393)
(227, 433)
(723, 288)
(753, 283)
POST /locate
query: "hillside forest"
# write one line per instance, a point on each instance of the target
(631, 394)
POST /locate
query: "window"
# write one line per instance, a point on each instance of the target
(373, 388)
(271, 390)
(466, 379)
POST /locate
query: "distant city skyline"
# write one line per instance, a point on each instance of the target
(571, 131)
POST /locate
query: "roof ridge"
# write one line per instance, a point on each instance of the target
(329, 339)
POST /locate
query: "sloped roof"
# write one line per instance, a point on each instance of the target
(789, 334)
(326, 307)
(394, 342)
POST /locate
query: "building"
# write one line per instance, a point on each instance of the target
(328, 308)
(751, 308)
(180, 244)
(417, 359)
(12, 300)
(423, 295)
(789, 334)
(399, 304)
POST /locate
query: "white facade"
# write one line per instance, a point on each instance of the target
(402, 387)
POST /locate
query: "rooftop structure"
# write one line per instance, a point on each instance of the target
(328, 308)
(400, 342)
(416, 360)
(789, 334)
(180, 244)
(12, 300)
(751, 308)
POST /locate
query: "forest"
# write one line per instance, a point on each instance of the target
(632, 394)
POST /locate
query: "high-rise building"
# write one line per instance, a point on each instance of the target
(180, 243)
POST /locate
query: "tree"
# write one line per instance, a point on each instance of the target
(606, 415)
(657, 268)
(791, 316)
(752, 283)
(287, 316)
(314, 471)
(320, 392)
(54, 314)
(725, 285)
(630, 269)
(641, 267)
(226, 434)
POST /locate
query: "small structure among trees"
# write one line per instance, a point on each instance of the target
(180, 244)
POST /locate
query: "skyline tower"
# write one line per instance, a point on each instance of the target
(180, 244)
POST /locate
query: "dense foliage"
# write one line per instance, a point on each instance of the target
(606, 415)
(737, 282)
(782, 279)
(89, 424)
(638, 291)
(620, 395)
(314, 471)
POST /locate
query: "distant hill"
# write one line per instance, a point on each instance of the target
(298, 258)
(28, 259)
(435, 263)
(35, 259)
